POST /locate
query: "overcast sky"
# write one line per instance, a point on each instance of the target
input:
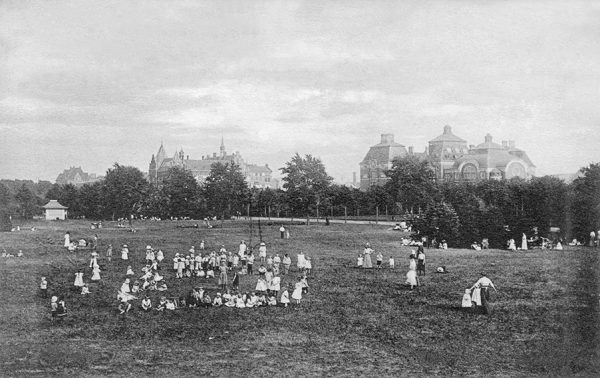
(90, 83)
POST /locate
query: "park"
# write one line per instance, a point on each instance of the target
(353, 322)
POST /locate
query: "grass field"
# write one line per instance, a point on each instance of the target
(545, 318)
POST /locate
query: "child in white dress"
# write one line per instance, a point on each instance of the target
(392, 263)
(297, 293)
(285, 298)
(359, 261)
(85, 290)
(466, 300)
(96, 273)
(129, 271)
(124, 252)
(78, 279)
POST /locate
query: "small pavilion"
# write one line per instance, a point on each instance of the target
(55, 211)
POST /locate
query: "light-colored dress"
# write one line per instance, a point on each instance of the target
(124, 253)
(96, 274)
(125, 288)
(261, 285)
(78, 279)
(466, 300)
(297, 294)
(275, 284)
(223, 275)
(524, 242)
(301, 261)
(367, 258)
(285, 297)
(411, 278)
(67, 240)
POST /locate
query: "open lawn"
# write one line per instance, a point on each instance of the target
(545, 318)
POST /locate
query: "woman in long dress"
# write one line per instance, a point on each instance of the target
(367, 264)
(524, 242)
(223, 277)
(411, 276)
(96, 273)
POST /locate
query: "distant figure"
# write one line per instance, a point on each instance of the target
(282, 231)
(593, 238)
(482, 287)
(524, 242)
(109, 252)
(511, 245)
(67, 239)
(466, 300)
(367, 264)
(485, 243)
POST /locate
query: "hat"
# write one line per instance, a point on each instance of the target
(467, 291)
(218, 294)
(54, 298)
(191, 250)
(148, 247)
(125, 245)
(262, 243)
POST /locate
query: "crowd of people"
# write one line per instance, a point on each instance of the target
(223, 268)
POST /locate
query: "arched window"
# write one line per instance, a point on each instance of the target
(516, 170)
(469, 172)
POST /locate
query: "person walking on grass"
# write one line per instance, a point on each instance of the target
(297, 294)
(282, 231)
(379, 259)
(421, 262)
(481, 292)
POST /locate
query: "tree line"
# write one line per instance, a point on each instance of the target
(462, 212)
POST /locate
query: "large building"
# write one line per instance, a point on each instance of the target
(77, 177)
(259, 176)
(451, 159)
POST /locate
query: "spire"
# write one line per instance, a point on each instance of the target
(222, 149)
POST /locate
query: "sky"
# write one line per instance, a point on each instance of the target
(91, 83)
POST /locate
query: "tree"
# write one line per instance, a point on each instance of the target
(124, 191)
(182, 191)
(27, 201)
(306, 183)
(89, 202)
(412, 183)
(225, 189)
(468, 207)
(586, 202)
(439, 222)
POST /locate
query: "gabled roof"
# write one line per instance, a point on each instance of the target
(447, 136)
(53, 204)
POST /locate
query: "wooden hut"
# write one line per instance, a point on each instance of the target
(55, 211)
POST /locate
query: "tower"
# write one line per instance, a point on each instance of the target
(222, 148)
(152, 170)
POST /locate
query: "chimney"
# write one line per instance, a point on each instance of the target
(387, 138)
(505, 144)
(511, 143)
(447, 129)
(488, 138)
(410, 150)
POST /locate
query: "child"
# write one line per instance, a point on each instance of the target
(250, 263)
(136, 287)
(54, 306)
(275, 285)
(160, 256)
(307, 265)
(61, 311)
(109, 252)
(379, 260)
(392, 263)
(96, 273)
(240, 302)
(125, 286)
(261, 284)
(272, 301)
(124, 252)
(236, 281)
(466, 300)
(411, 276)
(78, 279)
(85, 290)
(170, 305)
(162, 304)
(421, 262)
(146, 304)
(129, 271)
(297, 293)
(287, 262)
(359, 261)
(218, 301)
(285, 298)
(44, 288)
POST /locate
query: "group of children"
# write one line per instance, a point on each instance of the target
(203, 265)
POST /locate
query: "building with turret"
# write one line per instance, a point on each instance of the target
(259, 176)
(451, 158)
